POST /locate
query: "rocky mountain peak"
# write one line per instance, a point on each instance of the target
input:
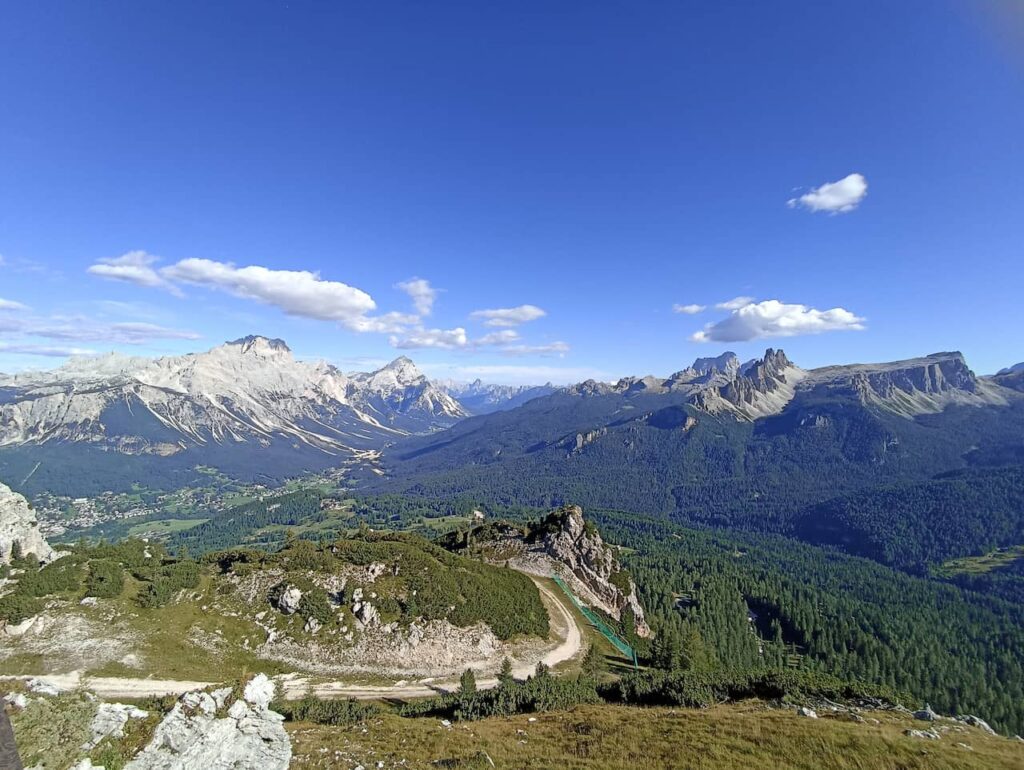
(770, 367)
(405, 366)
(258, 344)
(728, 364)
(570, 540)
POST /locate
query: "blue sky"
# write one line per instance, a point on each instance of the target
(603, 163)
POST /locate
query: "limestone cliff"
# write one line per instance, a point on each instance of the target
(566, 545)
(18, 524)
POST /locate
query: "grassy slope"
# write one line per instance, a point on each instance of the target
(612, 737)
(979, 565)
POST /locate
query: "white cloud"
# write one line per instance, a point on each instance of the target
(735, 303)
(834, 197)
(447, 339)
(387, 323)
(688, 309)
(134, 267)
(503, 337)
(505, 340)
(10, 304)
(86, 330)
(43, 350)
(772, 318)
(296, 292)
(551, 349)
(305, 294)
(508, 316)
(421, 292)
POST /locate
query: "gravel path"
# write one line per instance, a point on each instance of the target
(563, 623)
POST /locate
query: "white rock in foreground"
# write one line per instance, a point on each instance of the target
(193, 737)
(110, 719)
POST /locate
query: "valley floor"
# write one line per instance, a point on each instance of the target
(728, 737)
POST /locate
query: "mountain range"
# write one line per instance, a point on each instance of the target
(247, 407)
(252, 410)
(763, 445)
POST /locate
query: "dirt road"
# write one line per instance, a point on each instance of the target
(563, 624)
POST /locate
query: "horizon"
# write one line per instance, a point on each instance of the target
(514, 195)
(375, 365)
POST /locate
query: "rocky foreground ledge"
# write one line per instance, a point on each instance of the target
(230, 728)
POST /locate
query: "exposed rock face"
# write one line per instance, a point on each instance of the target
(907, 388)
(361, 642)
(573, 542)
(764, 386)
(727, 363)
(18, 524)
(568, 546)
(196, 736)
(758, 388)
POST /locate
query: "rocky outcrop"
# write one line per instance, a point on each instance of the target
(565, 545)
(907, 388)
(575, 543)
(206, 731)
(109, 721)
(289, 600)
(18, 524)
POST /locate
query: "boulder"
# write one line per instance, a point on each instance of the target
(926, 714)
(289, 600)
(981, 724)
(191, 737)
(109, 720)
(928, 735)
(807, 712)
(42, 687)
(259, 691)
(366, 614)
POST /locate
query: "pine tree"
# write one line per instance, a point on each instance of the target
(505, 678)
(594, 664)
(467, 682)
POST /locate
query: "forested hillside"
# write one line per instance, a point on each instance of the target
(914, 525)
(647, 455)
(742, 601)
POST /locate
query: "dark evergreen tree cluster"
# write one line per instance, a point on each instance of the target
(750, 602)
